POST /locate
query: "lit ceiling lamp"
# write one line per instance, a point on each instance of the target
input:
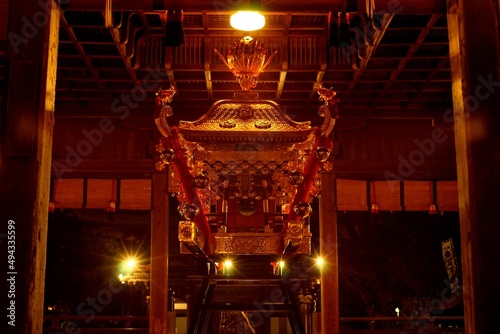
(249, 19)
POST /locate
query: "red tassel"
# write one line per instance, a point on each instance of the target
(111, 207)
(189, 190)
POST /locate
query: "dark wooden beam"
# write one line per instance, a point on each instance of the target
(186, 110)
(284, 56)
(208, 49)
(402, 64)
(391, 169)
(4, 19)
(26, 156)
(158, 309)
(115, 34)
(432, 74)
(81, 51)
(369, 52)
(105, 168)
(474, 52)
(403, 6)
(330, 310)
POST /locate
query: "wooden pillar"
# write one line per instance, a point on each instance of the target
(159, 299)
(474, 56)
(282, 325)
(316, 323)
(329, 252)
(305, 304)
(26, 135)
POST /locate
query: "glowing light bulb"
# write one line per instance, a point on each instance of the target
(320, 262)
(131, 263)
(247, 21)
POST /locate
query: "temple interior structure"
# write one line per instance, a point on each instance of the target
(332, 171)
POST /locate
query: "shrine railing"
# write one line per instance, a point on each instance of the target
(59, 324)
(54, 324)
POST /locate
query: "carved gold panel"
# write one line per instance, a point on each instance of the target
(248, 243)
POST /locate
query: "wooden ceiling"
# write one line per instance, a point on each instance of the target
(405, 71)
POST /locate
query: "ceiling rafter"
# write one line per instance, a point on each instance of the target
(206, 58)
(304, 60)
(402, 6)
(370, 51)
(81, 51)
(322, 60)
(284, 56)
(122, 50)
(411, 51)
(439, 67)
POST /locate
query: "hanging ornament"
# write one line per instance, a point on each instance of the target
(358, 33)
(370, 30)
(201, 180)
(302, 209)
(111, 207)
(322, 153)
(159, 166)
(167, 156)
(295, 178)
(189, 211)
(373, 198)
(110, 211)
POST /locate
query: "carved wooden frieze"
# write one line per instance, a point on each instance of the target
(243, 243)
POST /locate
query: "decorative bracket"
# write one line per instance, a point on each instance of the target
(329, 108)
(163, 99)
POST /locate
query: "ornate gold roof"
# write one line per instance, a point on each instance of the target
(245, 120)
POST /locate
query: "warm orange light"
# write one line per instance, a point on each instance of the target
(247, 21)
(131, 263)
(320, 262)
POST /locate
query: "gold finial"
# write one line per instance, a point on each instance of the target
(246, 60)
